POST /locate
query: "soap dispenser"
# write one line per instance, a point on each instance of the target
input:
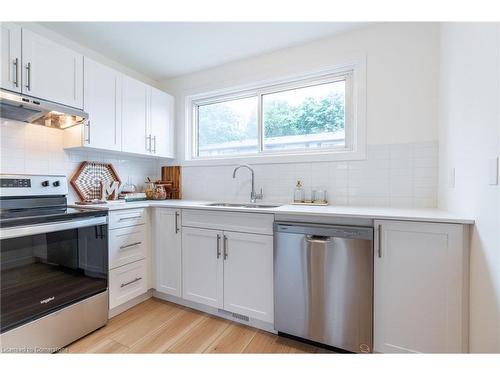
(298, 195)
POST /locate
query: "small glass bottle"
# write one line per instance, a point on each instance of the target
(298, 195)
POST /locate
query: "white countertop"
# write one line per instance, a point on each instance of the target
(386, 213)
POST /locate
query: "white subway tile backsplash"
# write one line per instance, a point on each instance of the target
(396, 175)
(390, 176)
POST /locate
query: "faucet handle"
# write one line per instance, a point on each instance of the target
(260, 195)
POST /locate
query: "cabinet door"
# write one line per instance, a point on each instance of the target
(102, 101)
(202, 266)
(161, 123)
(167, 250)
(420, 288)
(51, 71)
(248, 275)
(134, 116)
(10, 78)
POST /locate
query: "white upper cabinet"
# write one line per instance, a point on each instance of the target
(135, 112)
(10, 63)
(167, 250)
(102, 101)
(50, 71)
(161, 124)
(420, 288)
(248, 275)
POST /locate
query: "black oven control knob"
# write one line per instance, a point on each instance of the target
(45, 183)
(56, 183)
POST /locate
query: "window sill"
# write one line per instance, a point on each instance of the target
(280, 158)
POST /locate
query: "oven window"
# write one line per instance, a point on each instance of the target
(45, 272)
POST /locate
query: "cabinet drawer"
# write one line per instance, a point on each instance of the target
(126, 218)
(231, 221)
(127, 245)
(127, 282)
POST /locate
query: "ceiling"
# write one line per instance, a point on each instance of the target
(163, 50)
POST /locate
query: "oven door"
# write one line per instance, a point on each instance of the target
(47, 267)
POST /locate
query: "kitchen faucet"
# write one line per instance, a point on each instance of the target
(253, 195)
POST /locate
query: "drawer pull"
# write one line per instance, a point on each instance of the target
(131, 282)
(129, 218)
(130, 245)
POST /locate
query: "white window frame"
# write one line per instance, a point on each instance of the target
(355, 136)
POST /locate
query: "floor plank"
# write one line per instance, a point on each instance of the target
(169, 333)
(156, 326)
(264, 342)
(147, 324)
(198, 339)
(234, 339)
(109, 346)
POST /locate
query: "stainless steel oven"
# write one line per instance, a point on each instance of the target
(54, 274)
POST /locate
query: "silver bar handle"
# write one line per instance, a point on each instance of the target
(16, 70)
(28, 76)
(154, 144)
(131, 282)
(379, 240)
(129, 218)
(226, 248)
(48, 228)
(318, 239)
(218, 246)
(176, 221)
(130, 245)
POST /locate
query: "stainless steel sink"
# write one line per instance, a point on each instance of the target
(242, 205)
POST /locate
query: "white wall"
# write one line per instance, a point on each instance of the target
(469, 135)
(402, 85)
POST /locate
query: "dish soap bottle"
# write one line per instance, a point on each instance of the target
(298, 195)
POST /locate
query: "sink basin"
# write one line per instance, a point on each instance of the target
(242, 205)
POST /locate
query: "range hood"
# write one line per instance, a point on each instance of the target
(25, 108)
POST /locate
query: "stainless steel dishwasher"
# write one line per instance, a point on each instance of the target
(323, 284)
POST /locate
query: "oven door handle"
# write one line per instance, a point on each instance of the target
(29, 230)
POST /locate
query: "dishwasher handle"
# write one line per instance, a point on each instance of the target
(318, 239)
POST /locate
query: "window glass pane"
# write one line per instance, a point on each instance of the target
(228, 128)
(306, 118)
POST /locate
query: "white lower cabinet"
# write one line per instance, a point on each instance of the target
(202, 266)
(127, 282)
(167, 250)
(129, 274)
(248, 275)
(420, 288)
(127, 245)
(229, 270)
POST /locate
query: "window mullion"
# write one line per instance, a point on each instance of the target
(260, 124)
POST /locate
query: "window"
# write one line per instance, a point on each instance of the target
(308, 116)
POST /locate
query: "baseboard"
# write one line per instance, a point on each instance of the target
(127, 305)
(265, 326)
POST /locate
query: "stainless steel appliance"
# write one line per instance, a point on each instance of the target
(53, 265)
(323, 284)
(26, 108)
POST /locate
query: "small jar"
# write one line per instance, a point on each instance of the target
(149, 190)
(298, 194)
(160, 193)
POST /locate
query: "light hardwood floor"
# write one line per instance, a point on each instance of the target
(156, 326)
